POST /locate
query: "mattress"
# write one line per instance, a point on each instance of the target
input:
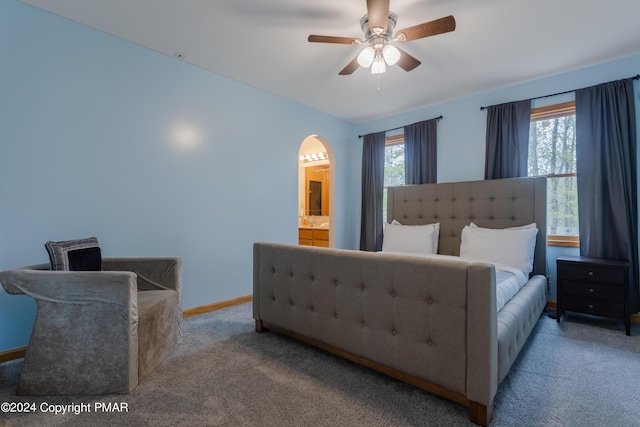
(509, 280)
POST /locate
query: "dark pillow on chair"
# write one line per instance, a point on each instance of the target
(75, 255)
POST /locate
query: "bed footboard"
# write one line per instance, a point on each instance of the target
(430, 323)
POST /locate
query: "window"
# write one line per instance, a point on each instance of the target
(393, 167)
(552, 153)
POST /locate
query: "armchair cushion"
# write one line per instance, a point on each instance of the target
(158, 330)
(75, 255)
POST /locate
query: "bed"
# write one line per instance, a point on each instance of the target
(431, 321)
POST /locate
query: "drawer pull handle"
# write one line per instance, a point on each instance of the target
(590, 306)
(591, 273)
(591, 290)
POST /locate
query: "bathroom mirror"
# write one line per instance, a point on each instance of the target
(315, 198)
(317, 190)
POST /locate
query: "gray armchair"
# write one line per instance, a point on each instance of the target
(98, 332)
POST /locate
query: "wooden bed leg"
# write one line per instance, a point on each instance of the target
(480, 414)
(260, 328)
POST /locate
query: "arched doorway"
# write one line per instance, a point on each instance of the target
(316, 192)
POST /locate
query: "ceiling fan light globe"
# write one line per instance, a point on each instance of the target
(378, 66)
(391, 54)
(366, 57)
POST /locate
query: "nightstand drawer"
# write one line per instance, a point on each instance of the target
(592, 273)
(597, 308)
(593, 290)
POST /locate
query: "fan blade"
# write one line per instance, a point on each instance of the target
(427, 29)
(331, 39)
(378, 11)
(350, 68)
(406, 61)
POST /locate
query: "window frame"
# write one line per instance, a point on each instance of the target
(394, 140)
(389, 141)
(551, 112)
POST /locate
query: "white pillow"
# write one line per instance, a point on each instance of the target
(520, 227)
(510, 246)
(435, 236)
(411, 238)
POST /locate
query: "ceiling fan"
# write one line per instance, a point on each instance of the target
(378, 25)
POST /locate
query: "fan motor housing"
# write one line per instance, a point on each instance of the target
(369, 34)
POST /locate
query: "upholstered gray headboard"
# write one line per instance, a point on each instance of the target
(497, 203)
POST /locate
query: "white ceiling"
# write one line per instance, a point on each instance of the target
(264, 44)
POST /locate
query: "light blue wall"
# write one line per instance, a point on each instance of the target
(155, 157)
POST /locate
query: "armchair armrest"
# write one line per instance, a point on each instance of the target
(153, 273)
(72, 287)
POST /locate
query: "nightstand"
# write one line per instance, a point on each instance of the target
(594, 286)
